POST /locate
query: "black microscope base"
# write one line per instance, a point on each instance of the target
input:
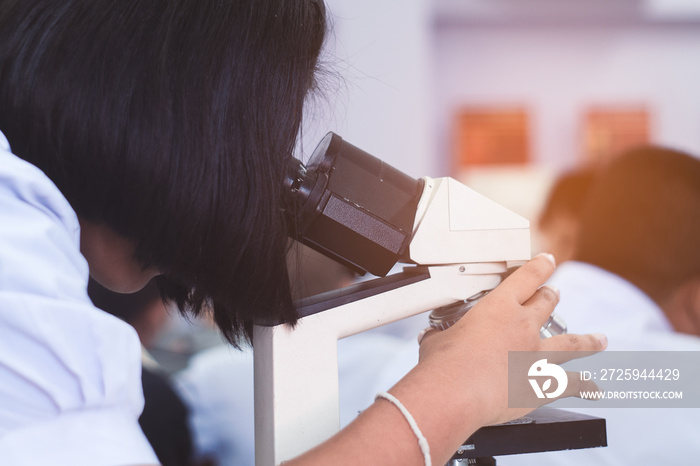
(545, 429)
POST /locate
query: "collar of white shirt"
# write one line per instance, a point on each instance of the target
(595, 300)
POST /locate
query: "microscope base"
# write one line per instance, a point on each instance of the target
(545, 429)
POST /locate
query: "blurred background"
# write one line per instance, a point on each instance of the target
(505, 95)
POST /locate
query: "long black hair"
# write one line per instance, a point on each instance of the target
(171, 122)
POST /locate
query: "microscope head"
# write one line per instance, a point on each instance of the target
(368, 215)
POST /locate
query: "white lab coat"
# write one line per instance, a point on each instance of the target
(70, 374)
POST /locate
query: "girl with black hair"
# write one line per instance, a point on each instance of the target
(149, 138)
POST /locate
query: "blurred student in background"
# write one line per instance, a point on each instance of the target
(559, 220)
(637, 252)
(635, 275)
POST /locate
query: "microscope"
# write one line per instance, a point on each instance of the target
(456, 245)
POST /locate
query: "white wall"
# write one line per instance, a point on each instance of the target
(404, 70)
(557, 72)
(403, 73)
(380, 49)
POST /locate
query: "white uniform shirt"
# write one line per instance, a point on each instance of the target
(595, 300)
(70, 374)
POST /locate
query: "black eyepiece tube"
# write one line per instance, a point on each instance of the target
(351, 206)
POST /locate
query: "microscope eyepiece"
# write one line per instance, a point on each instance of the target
(351, 206)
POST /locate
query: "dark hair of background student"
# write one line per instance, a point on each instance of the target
(567, 195)
(170, 122)
(641, 220)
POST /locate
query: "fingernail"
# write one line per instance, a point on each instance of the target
(601, 338)
(423, 332)
(554, 289)
(549, 257)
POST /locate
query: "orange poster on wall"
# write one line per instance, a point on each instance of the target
(485, 136)
(609, 131)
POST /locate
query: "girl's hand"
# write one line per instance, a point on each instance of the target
(475, 349)
(461, 381)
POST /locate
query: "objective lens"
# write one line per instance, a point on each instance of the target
(445, 317)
